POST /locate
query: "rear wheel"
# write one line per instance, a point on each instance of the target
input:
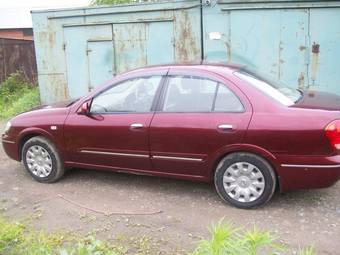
(41, 160)
(245, 180)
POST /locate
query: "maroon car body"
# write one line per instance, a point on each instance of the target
(293, 139)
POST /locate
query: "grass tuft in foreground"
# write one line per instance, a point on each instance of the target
(17, 238)
(227, 240)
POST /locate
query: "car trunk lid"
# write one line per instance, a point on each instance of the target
(319, 100)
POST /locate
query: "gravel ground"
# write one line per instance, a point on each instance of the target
(300, 218)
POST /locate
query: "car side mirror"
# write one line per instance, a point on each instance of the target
(84, 109)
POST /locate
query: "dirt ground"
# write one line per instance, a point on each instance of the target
(300, 218)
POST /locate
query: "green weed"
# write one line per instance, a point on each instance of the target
(307, 251)
(227, 240)
(90, 246)
(11, 235)
(18, 238)
(17, 95)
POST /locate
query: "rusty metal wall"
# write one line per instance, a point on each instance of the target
(294, 41)
(297, 41)
(77, 49)
(17, 55)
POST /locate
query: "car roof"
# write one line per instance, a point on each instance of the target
(204, 66)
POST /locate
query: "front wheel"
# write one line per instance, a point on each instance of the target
(41, 160)
(245, 180)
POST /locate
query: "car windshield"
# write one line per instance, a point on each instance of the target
(275, 89)
(72, 101)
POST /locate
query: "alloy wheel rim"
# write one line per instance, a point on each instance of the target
(243, 182)
(39, 161)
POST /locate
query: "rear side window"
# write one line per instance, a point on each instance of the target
(186, 94)
(227, 101)
(194, 94)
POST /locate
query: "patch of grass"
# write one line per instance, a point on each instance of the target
(17, 95)
(90, 246)
(228, 240)
(308, 251)
(11, 235)
(18, 238)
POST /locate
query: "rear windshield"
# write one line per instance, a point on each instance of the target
(275, 89)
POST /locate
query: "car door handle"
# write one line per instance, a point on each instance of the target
(225, 127)
(136, 126)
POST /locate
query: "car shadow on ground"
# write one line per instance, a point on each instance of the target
(183, 188)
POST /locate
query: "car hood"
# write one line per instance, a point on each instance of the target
(319, 100)
(61, 104)
(60, 108)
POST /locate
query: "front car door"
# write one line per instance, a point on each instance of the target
(115, 133)
(198, 117)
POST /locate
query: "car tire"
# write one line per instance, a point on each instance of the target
(245, 180)
(42, 160)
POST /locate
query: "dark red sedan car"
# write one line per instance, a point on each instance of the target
(249, 135)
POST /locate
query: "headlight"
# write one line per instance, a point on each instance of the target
(8, 126)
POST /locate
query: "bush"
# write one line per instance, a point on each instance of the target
(17, 95)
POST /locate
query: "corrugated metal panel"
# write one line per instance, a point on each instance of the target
(17, 55)
(295, 41)
(276, 4)
(74, 45)
(277, 38)
(324, 49)
(76, 48)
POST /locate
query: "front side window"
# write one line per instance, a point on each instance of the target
(135, 95)
(193, 94)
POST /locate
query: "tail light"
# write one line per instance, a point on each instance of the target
(333, 133)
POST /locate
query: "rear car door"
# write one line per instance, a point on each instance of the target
(115, 134)
(198, 117)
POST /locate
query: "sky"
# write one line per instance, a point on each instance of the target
(16, 13)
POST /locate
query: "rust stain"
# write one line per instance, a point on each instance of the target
(301, 80)
(51, 34)
(315, 61)
(130, 46)
(42, 37)
(280, 61)
(187, 45)
(57, 87)
(311, 94)
(302, 48)
(227, 44)
(51, 38)
(316, 48)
